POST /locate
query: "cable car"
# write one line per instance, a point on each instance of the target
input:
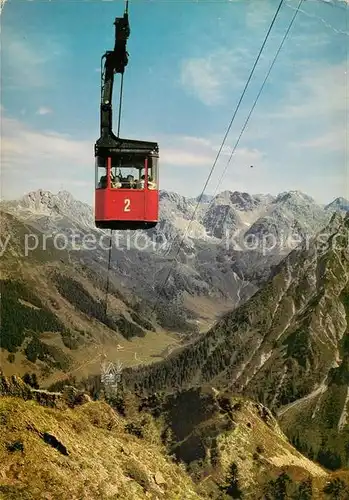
(126, 170)
(127, 192)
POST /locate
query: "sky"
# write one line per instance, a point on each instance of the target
(189, 62)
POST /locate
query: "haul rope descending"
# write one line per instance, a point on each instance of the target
(115, 62)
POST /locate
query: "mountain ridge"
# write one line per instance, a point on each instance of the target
(220, 224)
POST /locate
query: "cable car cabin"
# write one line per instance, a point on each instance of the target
(127, 186)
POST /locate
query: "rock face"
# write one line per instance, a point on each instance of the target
(51, 211)
(290, 218)
(15, 387)
(227, 210)
(304, 291)
(232, 441)
(287, 345)
(284, 345)
(180, 276)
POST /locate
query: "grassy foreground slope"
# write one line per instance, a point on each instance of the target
(81, 453)
(65, 446)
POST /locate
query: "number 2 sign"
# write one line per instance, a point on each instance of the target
(127, 203)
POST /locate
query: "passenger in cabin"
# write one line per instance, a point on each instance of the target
(141, 182)
(130, 182)
(151, 183)
(115, 183)
(122, 180)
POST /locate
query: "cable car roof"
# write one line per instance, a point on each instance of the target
(117, 146)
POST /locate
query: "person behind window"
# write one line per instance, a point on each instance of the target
(141, 182)
(151, 183)
(131, 182)
(116, 183)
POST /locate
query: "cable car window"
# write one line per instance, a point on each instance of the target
(152, 173)
(129, 177)
(126, 173)
(101, 173)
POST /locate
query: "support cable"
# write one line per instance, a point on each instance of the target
(220, 149)
(255, 103)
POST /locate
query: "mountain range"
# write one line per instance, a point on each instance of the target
(215, 249)
(203, 258)
(253, 318)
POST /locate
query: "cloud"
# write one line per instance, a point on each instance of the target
(208, 77)
(186, 162)
(334, 140)
(259, 13)
(188, 151)
(33, 159)
(236, 169)
(44, 111)
(335, 2)
(324, 21)
(239, 176)
(184, 158)
(243, 156)
(316, 90)
(213, 76)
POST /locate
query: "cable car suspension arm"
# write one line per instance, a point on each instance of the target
(115, 61)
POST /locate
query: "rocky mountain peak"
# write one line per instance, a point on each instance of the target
(238, 200)
(50, 207)
(294, 197)
(339, 203)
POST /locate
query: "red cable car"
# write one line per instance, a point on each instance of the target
(127, 192)
(127, 186)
